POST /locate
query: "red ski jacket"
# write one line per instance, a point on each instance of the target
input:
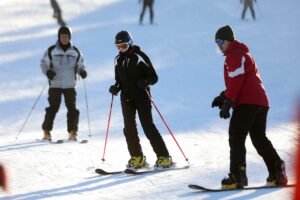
(242, 79)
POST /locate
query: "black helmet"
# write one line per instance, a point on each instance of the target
(64, 30)
(123, 37)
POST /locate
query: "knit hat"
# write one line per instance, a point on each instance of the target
(225, 33)
(64, 30)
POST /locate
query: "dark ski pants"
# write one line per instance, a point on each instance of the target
(248, 4)
(143, 108)
(54, 100)
(250, 119)
(147, 3)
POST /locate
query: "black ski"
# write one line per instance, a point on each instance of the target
(154, 170)
(60, 141)
(138, 171)
(103, 172)
(204, 189)
(63, 141)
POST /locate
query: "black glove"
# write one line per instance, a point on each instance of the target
(142, 84)
(50, 74)
(114, 90)
(82, 73)
(219, 100)
(224, 112)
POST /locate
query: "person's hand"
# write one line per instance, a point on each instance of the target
(83, 73)
(142, 84)
(114, 90)
(219, 100)
(224, 112)
(50, 74)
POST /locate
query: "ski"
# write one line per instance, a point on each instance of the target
(63, 141)
(60, 141)
(204, 189)
(103, 172)
(154, 170)
(138, 171)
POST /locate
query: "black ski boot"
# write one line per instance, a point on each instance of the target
(236, 180)
(279, 177)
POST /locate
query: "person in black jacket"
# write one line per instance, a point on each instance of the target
(134, 73)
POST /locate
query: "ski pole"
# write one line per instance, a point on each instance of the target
(87, 108)
(107, 128)
(21, 129)
(258, 9)
(149, 96)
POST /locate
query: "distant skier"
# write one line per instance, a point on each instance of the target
(60, 63)
(57, 13)
(248, 4)
(245, 93)
(149, 4)
(134, 73)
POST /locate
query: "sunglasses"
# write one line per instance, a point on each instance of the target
(122, 46)
(220, 42)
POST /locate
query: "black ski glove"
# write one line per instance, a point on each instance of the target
(142, 84)
(114, 90)
(50, 74)
(224, 112)
(219, 100)
(83, 73)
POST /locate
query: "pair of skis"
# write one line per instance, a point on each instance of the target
(140, 171)
(61, 141)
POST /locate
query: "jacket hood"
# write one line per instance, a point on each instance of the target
(237, 45)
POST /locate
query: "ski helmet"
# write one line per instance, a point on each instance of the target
(123, 37)
(64, 30)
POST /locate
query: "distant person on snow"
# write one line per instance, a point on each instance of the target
(248, 4)
(134, 73)
(61, 63)
(245, 93)
(57, 13)
(149, 4)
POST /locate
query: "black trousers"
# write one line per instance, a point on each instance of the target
(143, 108)
(147, 3)
(54, 100)
(250, 119)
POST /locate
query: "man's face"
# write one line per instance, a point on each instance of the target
(64, 39)
(223, 45)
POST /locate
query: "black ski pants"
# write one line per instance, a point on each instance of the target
(250, 119)
(248, 3)
(147, 3)
(143, 108)
(54, 100)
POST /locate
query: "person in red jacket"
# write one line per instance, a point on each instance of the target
(297, 167)
(245, 93)
(3, 178)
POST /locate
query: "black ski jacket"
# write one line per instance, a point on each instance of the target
(131, 67)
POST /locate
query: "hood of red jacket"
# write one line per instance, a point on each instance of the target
(237, 45)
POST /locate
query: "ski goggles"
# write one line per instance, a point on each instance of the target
(122, 46)
(220, 42)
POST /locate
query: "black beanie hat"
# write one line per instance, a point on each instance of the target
(64, 30)
(225, 33)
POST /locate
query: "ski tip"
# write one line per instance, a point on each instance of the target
(100, 171)
(59, 141)
(83, 141)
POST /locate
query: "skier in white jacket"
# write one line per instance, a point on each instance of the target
(61, 63)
